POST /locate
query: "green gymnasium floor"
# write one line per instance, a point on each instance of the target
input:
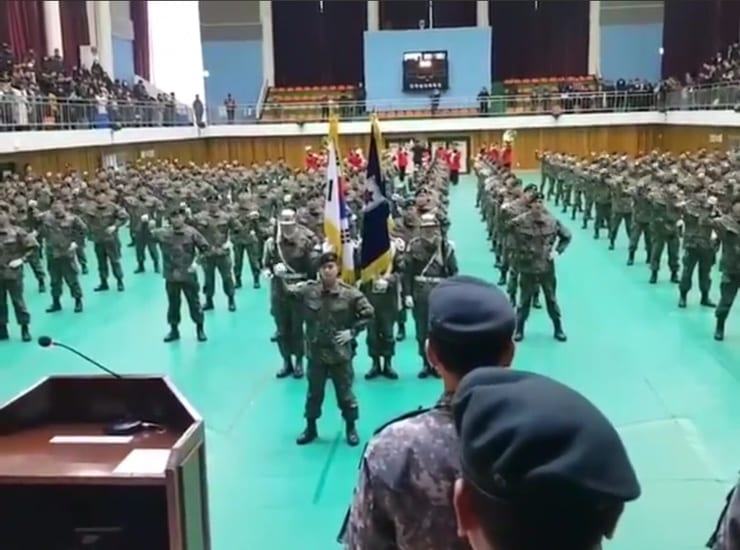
(654, 370)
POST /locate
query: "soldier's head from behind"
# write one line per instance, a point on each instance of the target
(471, 324)
(177, 218)
(534, 476)
(287, 221)
(329, 268)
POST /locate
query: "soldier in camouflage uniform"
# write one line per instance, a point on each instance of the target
(289, 258)
(335, 314)
(180, 245)
(62, 231)
(248, 239)
(728, 231)
(26, 215)
(103, 219)
(641, 214)
(429, 260)
(16, 246)
(621, 208)
(143, 208)
(403, 497)
(216, 225)
(699, 249)
(384, 293)
(664, 222)
(602, 201)
(539, 237)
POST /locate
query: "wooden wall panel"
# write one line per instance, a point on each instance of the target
(577, 141)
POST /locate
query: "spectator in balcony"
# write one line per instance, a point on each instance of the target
(230, 104)
(361, 98)
(436, 95)
(198, 111)
(483, 100)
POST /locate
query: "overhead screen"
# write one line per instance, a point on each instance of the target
(425, 71)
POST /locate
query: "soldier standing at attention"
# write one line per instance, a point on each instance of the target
(335, 313)
(698, 246)
(16, 246)
(621, 208)
(103, 220)
(666, 218)
(142, 209)
(430, 259)
(247, 239)
(728, 230)
(62, 231)
(216, 226)
(539, 237)
(383, 294)
(403, 496)
(289, 257)
(602, 202)
(641, 213)
(180, 244)
(26, 216)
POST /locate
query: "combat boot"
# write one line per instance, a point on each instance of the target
(536, 301)
(119, 285)
(25, 333)
(102, 287)
(706, 301)
(611, 244)
(674, 277)
(42, 285)
(653, 277)
(374, 371)
(584, 225)
(426, 370)
(719, 331)
(78, 305)
(309, 434)
(55, 306)
(631, 258)
(287, 369)
(173, 335)
(388, 370)
(519, 331)
(559, 334)
(232, 304)
(208, 306)
(200, 333)
(139, 269)
(4, 332)
(237, 281)
(401, 336)
(682, 300)
(502, 279)
(256, 283)
(84, 270)
(298, 370)
(353, 439)
(156, 267)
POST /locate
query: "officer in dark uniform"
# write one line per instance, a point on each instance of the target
(533, 477)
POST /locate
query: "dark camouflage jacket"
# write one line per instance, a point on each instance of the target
(697, 216)
(728, 230)
(426, 264)
(15, 244)
(216, 228)
(99, 217)
(179, 249)
(61, 232)
(537, 236)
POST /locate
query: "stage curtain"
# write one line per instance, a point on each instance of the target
(403, 14)
(344, 24)
(712, 25)
(536, 39)
(23, 26)
(454, 13)
(75, 31)
(140, 20)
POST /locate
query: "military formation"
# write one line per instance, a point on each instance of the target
(685, 207)
(525, 239)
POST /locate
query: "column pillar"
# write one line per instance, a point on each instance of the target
(104, 34)
(594, 38)
(481, 13)
(373, 15)
(268, 48)
(53, 27)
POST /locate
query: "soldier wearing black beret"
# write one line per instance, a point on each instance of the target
(541, 466)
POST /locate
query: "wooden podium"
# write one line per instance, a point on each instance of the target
(65, 485)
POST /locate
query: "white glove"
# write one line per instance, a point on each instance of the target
(110, 229)
(73, 247)
(680, 223)
(553, 254)
(280, 269)
(712, 200)
(713, 237)
(267, 274)
(381, 284)
(32, 203)
(192, 268)
(188, 212)
(152, 224)
(34, 233)
(227, 245)
(183, 205)
(145, 218)
(252, 233)
(409, 302)
(15, 264)
(343, 337)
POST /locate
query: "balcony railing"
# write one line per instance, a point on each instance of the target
(18, 112)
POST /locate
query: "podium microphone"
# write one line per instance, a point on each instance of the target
(122, 427)
(46, 341)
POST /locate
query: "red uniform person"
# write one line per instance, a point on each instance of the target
(402, 161)
(507, 156)
(453, 161)
(313, 162)
(493, 153)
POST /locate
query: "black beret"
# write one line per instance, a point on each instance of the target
(525, 438)
(327, 257)
(530, 187)
(467, 308)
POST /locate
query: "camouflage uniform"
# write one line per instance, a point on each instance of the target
(145, 213)
(728, 230)
(698, 247)
(60, 232)
(621, 209)
(100, 219)
(404, 493)
(248, 239)
(179, 247)
(664, 231)
(327, 312)
(602, 200)
(15, 244)
(216, 227)
(29, 219)
(641, 214)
